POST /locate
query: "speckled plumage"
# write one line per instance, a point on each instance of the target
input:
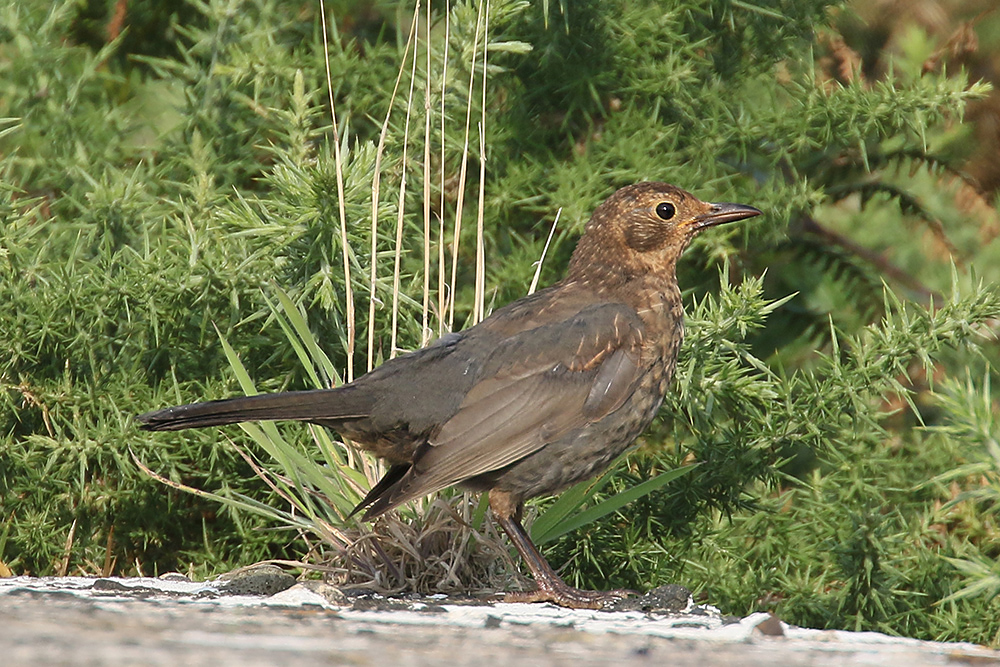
(544, 393)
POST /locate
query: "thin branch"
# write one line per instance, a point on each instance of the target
(811, 226)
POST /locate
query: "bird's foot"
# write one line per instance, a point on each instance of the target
(564, 595)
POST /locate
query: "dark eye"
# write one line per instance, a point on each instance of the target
(665, 210)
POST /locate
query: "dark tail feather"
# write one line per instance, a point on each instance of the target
(318, 405)
(393, 475)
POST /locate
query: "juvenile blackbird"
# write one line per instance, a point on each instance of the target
(544, 393)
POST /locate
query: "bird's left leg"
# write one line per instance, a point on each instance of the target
(550, 587)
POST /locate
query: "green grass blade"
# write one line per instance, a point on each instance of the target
(280, 316)
(317, 357)
(237, 501)
(611, 504)
(480, 512)
(304, 472)
(242, 376)
(568, 501)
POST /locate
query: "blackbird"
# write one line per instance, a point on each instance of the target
(544, 393)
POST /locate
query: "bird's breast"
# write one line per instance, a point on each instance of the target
(590, 450)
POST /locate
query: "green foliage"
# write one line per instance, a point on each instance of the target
(861, 517)
(157, 193)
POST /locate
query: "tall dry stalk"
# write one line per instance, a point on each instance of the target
(425, 330)
(545, 249)
(376, 188)
(442, 268)
(479, 308)
(445, 302)
(400, 208)
(463, 172)
(348, 290)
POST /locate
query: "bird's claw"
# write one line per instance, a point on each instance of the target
(565, 595)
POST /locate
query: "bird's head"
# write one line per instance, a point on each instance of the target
(642, 229)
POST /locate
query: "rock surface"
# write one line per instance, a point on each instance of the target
(173, 621)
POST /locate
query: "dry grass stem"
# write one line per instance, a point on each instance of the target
(376, 186)
(401, 207)
(479, 305)
(545, 249)
(425, 330)
(442, 267)
(438, 552)
(463, 172)
(345, 246)
(448, 547)
(110, 560)
(480, 297)
(67, 551)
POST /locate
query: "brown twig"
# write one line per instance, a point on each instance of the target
(811, 226)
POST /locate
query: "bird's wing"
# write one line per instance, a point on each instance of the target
(535, 387)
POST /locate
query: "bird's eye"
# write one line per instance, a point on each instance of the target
(665, 210)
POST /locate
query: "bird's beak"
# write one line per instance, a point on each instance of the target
(722, 213)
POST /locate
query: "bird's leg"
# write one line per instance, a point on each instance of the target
(550, 587)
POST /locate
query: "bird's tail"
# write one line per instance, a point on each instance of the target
(318, 405)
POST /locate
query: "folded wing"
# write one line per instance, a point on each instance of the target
(569, 373)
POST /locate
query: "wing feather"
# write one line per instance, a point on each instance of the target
(569, 373)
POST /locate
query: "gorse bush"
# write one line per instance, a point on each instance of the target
(159, 192)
